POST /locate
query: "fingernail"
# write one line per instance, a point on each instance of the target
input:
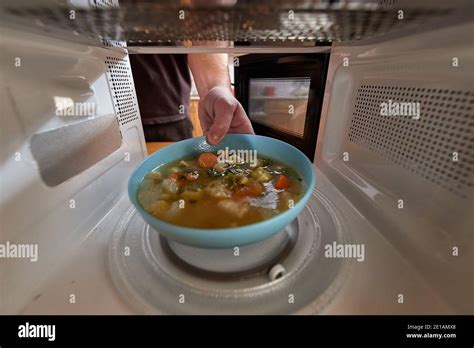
(213, 139)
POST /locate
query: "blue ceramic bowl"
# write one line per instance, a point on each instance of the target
(225, 237)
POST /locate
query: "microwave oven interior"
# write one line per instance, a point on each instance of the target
(399, 187)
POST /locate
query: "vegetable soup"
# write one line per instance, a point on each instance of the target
(203, 192)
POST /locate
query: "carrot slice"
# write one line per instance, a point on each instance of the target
(281, 182)
(207, 160)
(255, 187)
(252, 189)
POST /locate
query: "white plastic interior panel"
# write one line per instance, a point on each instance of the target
(61, 173)
(409, 172)
(400, 185)
(416, 144)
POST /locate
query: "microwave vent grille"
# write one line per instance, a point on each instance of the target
(104, 4)
(424, 145)
(113, 43)
(121, 85)
(249, 23)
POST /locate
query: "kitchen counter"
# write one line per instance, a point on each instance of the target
(156, 145)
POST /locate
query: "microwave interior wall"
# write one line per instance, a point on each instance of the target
(376, 162)
(56, 193)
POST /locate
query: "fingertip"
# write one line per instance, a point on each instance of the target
(213, 139)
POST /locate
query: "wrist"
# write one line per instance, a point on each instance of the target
(219, 86)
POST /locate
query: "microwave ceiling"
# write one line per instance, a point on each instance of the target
(223, 23)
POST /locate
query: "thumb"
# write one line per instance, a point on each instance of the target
(224, 109)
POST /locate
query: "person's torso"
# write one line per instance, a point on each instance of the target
(163, 84)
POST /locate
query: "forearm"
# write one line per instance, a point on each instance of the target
(219, 112)
(209, 70)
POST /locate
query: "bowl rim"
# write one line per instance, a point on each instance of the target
(183, 231)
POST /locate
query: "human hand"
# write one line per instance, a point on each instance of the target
(220, 113)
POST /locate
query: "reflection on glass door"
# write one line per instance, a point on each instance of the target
(279, 103)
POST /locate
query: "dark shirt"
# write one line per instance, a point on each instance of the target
(163, 86)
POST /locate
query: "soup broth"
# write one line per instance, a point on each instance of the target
(202, 192)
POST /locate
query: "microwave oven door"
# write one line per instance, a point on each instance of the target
(283, 94)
